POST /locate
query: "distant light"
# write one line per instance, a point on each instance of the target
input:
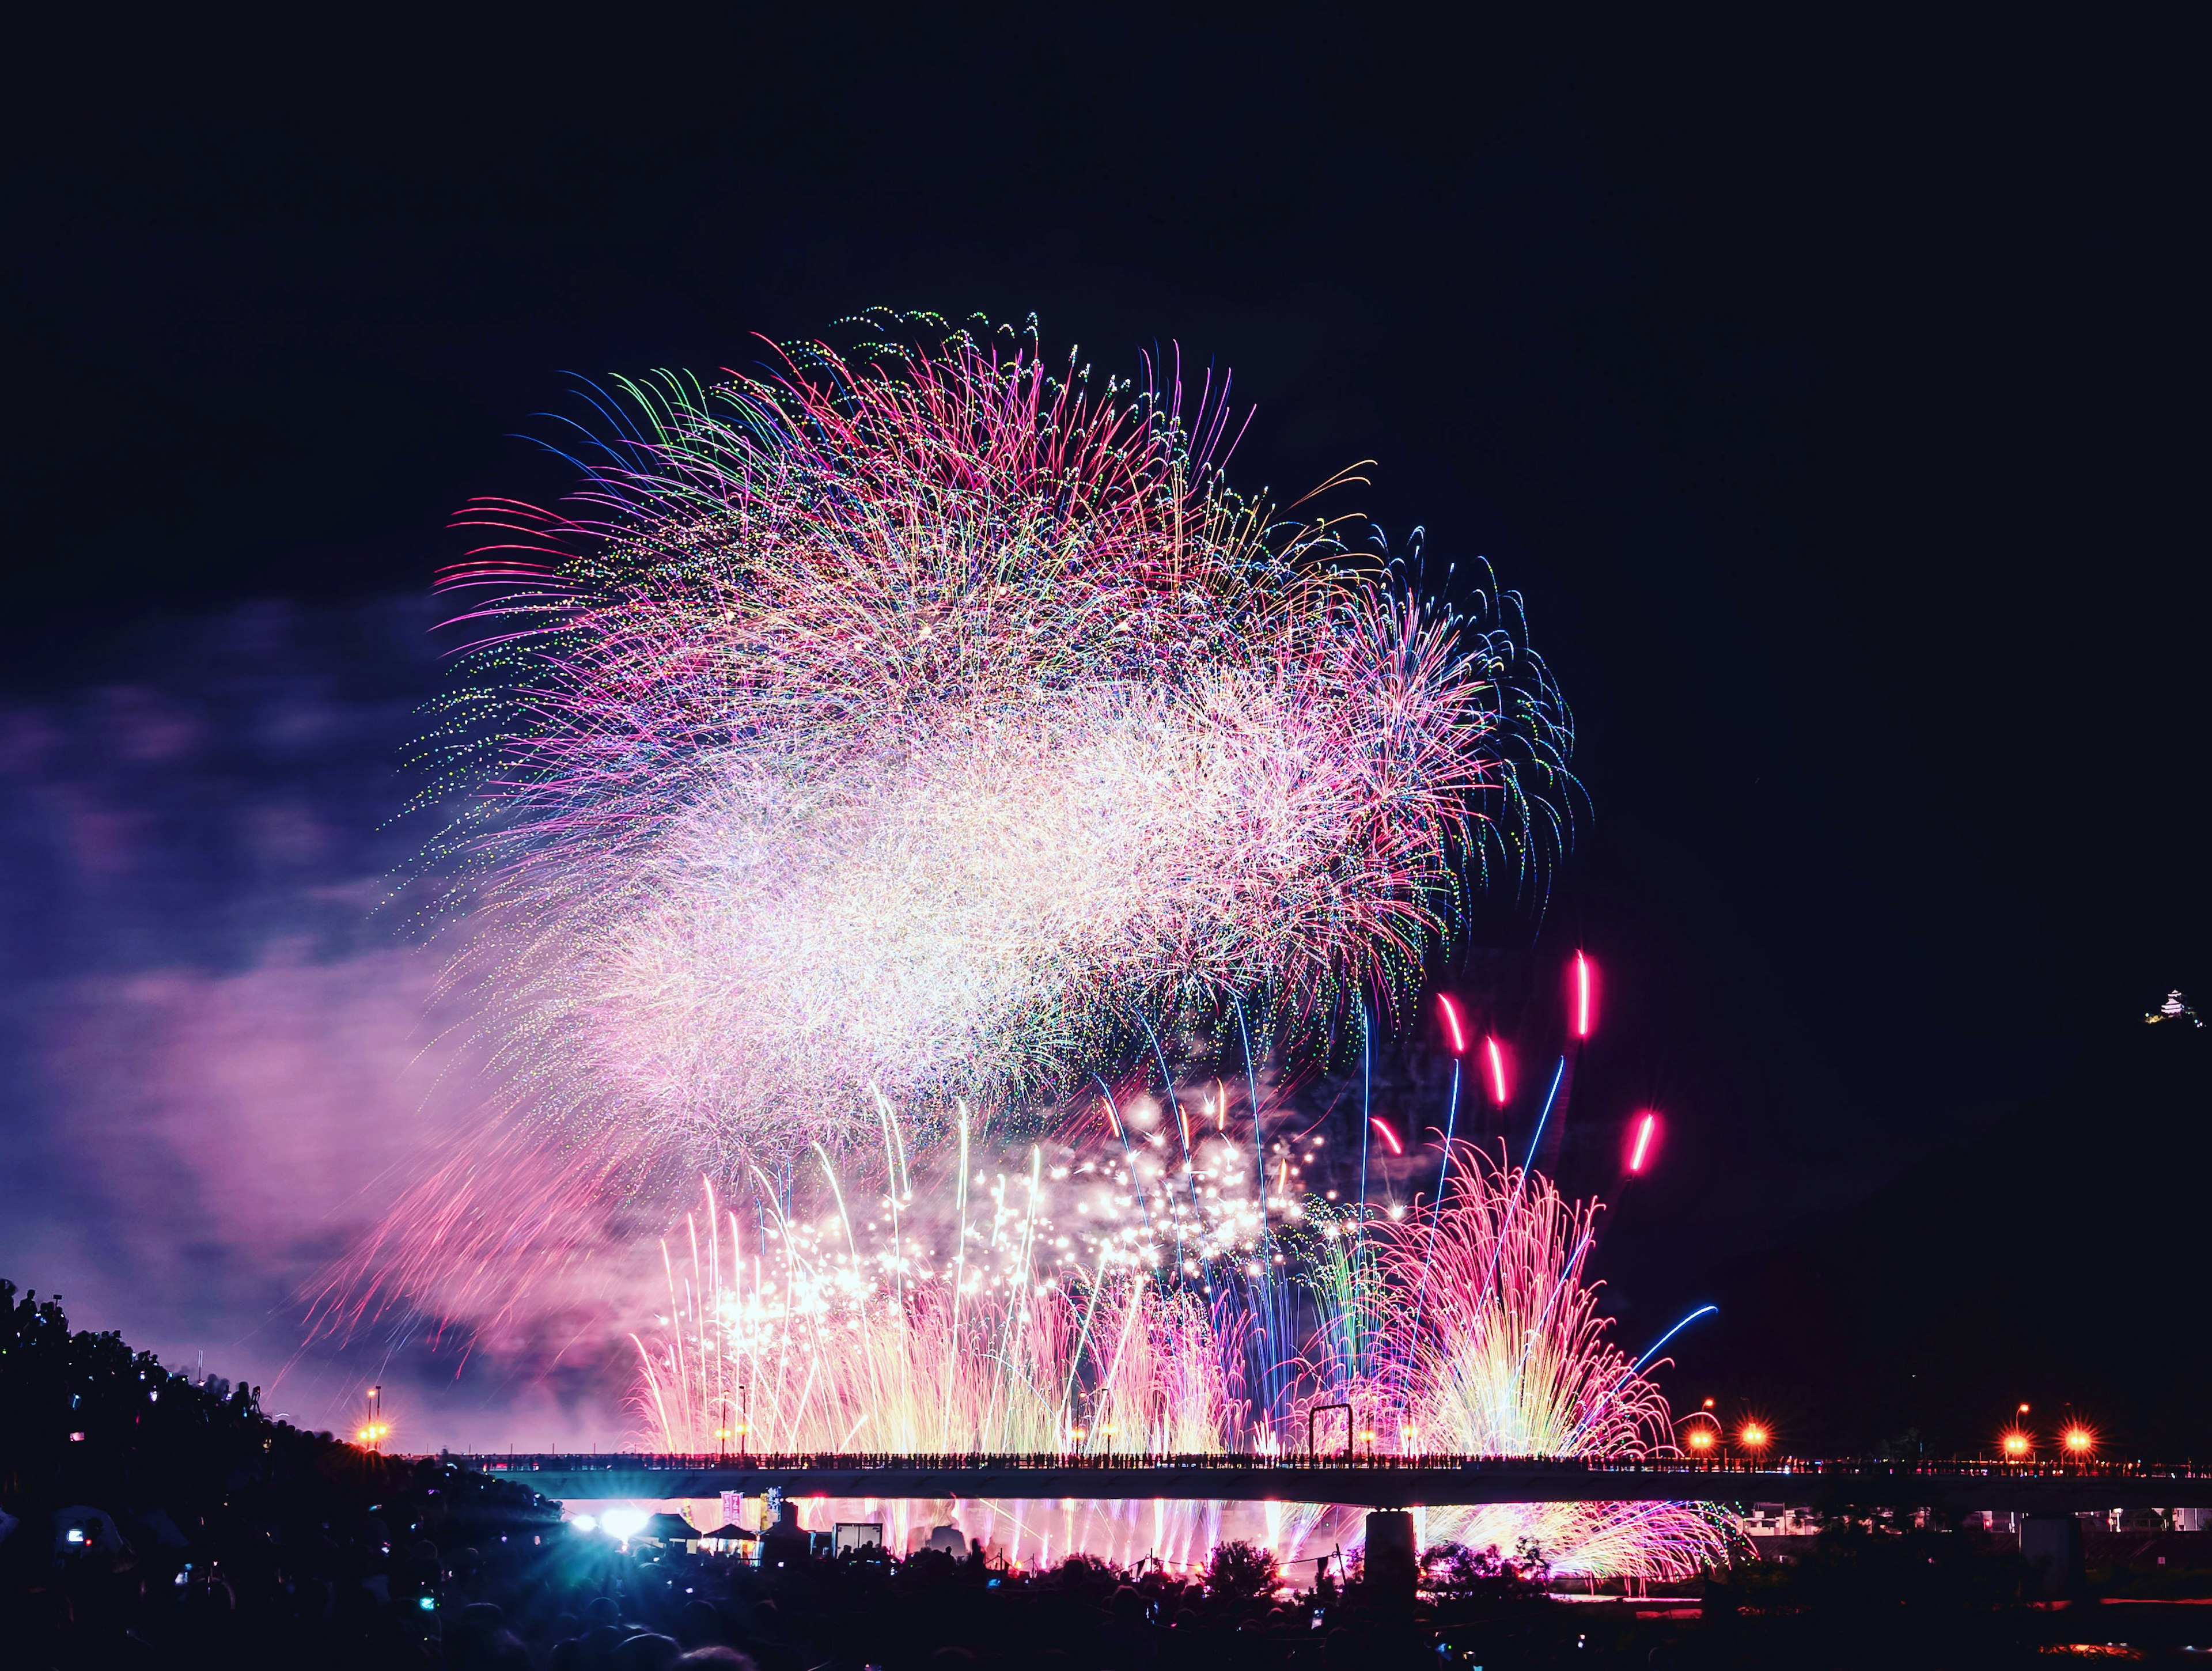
(586, 1522)
(1753, 1436)
(77, 1534)
(1494, 1060)
(1647, 1126)
(2079, 1440)
(428, 1603)
(77, 1438)
(1452, 1025)
(623, 1523)
(2023, 1409)
(1701, 1438)
(2016, 1444)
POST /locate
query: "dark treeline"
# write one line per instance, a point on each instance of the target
(149, 1519)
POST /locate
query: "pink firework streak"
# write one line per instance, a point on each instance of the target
(920, 727)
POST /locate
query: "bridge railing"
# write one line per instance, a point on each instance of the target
(1302, 1462)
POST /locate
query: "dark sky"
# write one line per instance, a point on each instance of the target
(1826, 394)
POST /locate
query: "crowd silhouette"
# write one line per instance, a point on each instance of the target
(153, 1518)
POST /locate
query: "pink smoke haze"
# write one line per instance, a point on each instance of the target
(220, 1064)
(255, 1129)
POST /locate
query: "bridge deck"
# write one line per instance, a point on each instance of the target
(1382, 1482)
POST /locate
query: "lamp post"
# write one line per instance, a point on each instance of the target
(1700, 1440)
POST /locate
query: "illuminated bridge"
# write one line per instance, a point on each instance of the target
(1379, 1482)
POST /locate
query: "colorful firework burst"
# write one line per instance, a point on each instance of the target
(929, 725)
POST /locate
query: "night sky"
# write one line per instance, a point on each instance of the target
(1828, 397)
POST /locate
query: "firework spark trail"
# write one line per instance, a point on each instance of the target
(1046, 1331)
(892, 723)
(1510, 1358)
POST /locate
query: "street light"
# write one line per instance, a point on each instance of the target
(2079, 1441)
(1753, 1438)
(1703, 1431)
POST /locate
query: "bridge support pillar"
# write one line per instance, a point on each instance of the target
(2052, 1545)
(1393, 1563)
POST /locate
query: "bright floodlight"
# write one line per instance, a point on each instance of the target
(585, 1522)
(624, 1523)
(2080, 1441)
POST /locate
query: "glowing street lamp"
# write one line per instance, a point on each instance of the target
(1753, 1438)
(2016, 1446)
(2079, 1441)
